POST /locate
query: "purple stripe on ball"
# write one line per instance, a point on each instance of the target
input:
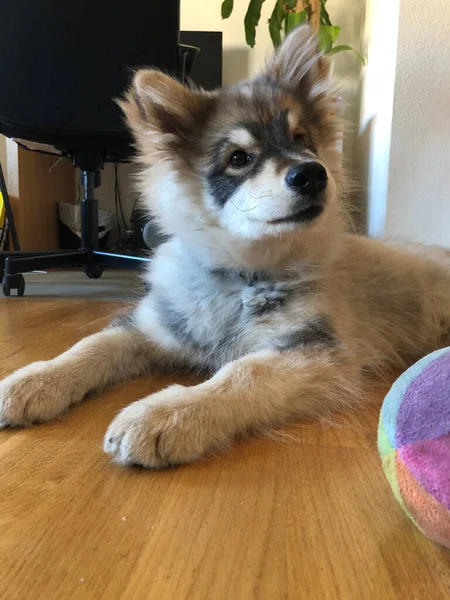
(425, 409)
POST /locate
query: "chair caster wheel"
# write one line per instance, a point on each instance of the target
(13, 282)
(93, 271)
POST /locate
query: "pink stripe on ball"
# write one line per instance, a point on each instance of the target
(429, 463)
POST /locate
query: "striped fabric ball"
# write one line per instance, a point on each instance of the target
(414, 444)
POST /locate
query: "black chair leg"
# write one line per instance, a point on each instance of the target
(56, 260)
(24, 254)
(119, 261)
(15, 266)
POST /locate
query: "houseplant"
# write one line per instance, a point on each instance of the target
(288, 14)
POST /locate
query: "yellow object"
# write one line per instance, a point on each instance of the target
(2, 211)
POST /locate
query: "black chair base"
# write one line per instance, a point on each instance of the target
(89, 257)
(13, 264)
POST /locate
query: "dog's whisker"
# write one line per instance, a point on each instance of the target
(264, 194)
(244, 210)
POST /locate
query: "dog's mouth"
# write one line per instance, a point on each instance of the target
(302, 216)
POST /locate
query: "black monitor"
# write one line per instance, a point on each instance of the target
(207, 69)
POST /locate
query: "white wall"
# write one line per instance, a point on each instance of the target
(407, 109)
(418, 200)
(380, 48)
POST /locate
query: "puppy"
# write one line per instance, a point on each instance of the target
(259, 287)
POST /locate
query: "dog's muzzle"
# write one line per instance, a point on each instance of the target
(309, 181)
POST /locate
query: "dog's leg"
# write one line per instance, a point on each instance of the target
(41, 391)
(253, 394)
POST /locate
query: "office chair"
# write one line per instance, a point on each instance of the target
(62, 64)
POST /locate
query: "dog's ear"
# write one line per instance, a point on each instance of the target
(160, 110)
(299, 65)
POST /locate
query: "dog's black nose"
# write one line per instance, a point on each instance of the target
(308, 178)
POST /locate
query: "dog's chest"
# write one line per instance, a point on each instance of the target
(225, 314)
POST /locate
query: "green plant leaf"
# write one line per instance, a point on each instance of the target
(343, 48)
(327, 36)
(291, 3)
(276, 23)
(294, 19)
(227, 8)
(251, 21)
(332, 30)
(325, 42)
(324, 16)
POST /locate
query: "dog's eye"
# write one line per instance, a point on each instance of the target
(299, 137)
(238, 159)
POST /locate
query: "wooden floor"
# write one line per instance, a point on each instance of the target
(307, 517)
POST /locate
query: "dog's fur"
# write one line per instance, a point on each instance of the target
(287, 316)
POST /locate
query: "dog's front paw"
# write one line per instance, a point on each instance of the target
(32, 394)
(169, 428)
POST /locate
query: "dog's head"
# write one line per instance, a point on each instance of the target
(244, 170)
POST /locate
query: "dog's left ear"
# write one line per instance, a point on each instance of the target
(160, 110)
(299, 65)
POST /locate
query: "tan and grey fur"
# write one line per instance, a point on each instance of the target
(260, 290)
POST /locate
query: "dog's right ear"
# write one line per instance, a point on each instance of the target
(160, 110)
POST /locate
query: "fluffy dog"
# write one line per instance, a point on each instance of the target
(260, 288)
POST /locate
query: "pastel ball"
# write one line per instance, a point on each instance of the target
(414, 444)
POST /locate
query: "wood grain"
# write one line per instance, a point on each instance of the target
(306, 515)
(35, 192)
